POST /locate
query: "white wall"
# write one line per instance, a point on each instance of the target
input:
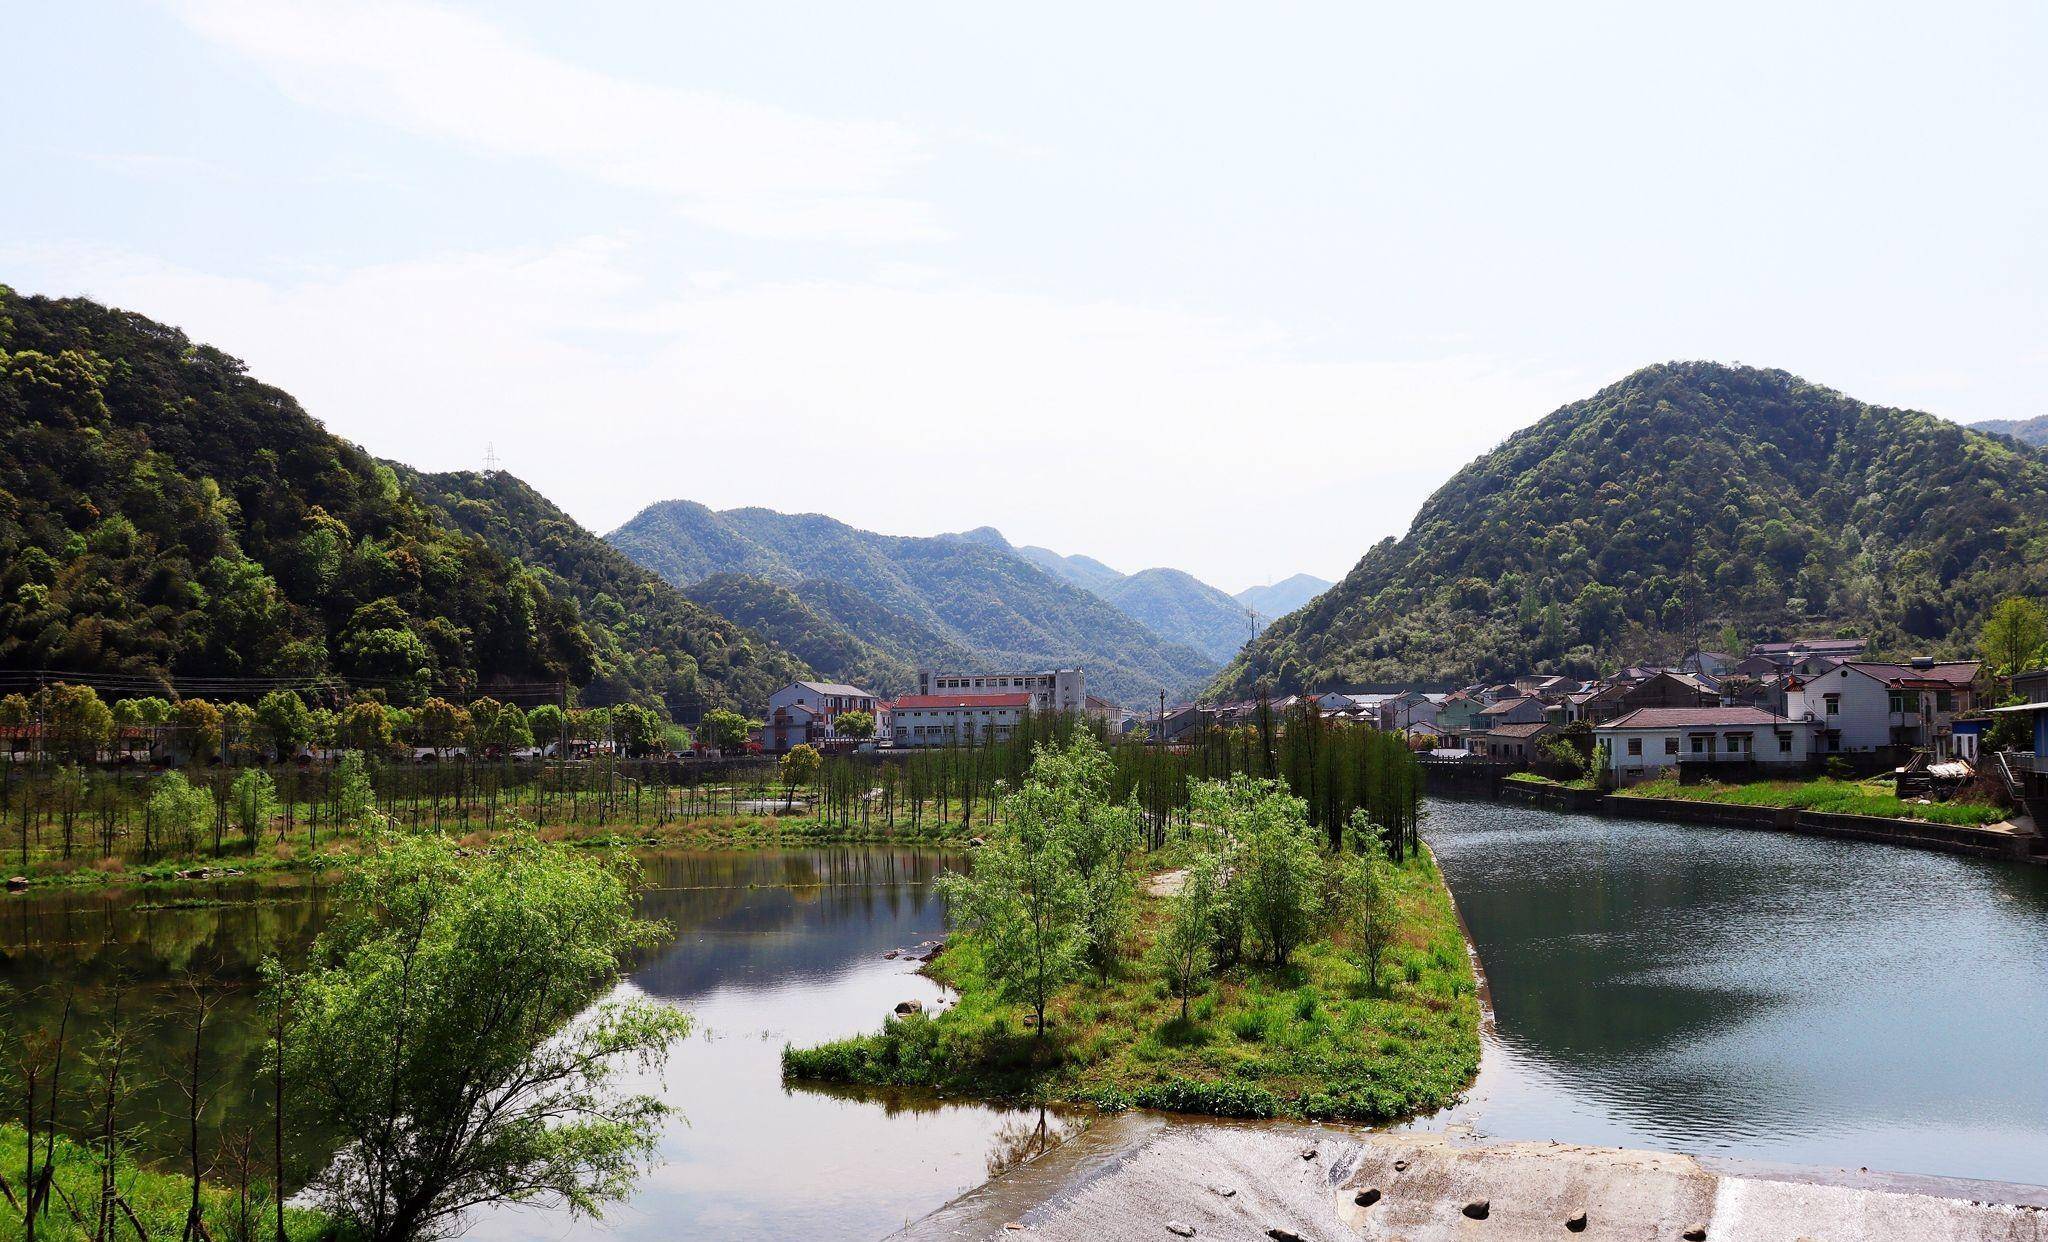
(1864, 717)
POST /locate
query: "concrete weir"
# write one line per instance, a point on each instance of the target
(1147, 1176)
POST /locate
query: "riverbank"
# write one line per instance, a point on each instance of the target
(153, 1204)
(1312, 1039)
(1150, 1177)
(1707, 804)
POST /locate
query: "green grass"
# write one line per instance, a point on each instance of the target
(1824, 794)
(158, 1200)
(1309, 1040)
(1531, 778)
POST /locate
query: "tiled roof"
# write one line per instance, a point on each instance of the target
(1694, 718)
(1527, 728)
(1947, 672)
(829, 687)
(960, 700)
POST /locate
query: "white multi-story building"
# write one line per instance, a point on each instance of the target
(1865, 705)
(956, 719)
(1652, 741)
(802, 712)
(1059, 690)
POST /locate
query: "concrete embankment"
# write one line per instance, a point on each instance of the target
(1153, 1177)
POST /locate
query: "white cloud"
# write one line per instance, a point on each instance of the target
(731, 163)
(1141, 435)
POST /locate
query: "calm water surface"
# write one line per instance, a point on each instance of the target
(1753, 994)
(768, 948)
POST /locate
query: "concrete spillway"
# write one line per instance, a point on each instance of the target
(1146, 1176)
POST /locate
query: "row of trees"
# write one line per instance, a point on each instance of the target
(73, 722)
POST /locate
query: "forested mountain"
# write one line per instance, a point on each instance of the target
(1183, 608)
(833, 651)
(963, 594)
(1685, 498)
(2032, 431)
(1276, 600)
(651, 644)
(1083, 571)
(163, 515)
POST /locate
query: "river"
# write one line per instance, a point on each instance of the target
(1709, 990)
(1772, 997)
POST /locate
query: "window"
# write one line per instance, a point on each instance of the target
(1898, 701)
(1944, 701)
(1738, 743)
(1635, 746)
(1699, 746)
(1784, 743)
(1834, 704)
(1670, 745)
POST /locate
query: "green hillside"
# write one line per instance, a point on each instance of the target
(652, 645)
(948, 596)
(1181, 608)
(1686, 497)
(163, 515)
(833, 651)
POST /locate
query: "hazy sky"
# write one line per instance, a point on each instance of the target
(1226, 288)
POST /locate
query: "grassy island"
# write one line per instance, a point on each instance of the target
(1246, 969)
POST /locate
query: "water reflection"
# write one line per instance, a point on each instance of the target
(1768, 996)
(768, 948)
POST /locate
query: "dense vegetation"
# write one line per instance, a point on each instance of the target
(1683, 501)
(1182, 608)
(651, 645)
(1267, 972)
(2032, 431)
(834, 652)
(968, 597)
(162, 516)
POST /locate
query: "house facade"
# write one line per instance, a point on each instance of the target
(1652, 741)
(1517, 742)
(956, 719)
(1055, 690)
(1868, 705)
(802, 713)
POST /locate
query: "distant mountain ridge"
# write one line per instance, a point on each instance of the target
(1679, 500)
(939, 600)
(2032, 431)
(1277, 599)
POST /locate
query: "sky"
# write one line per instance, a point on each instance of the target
(1226, 288)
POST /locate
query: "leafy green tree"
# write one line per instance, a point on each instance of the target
(1023, 902)
(547, 723)
(636, 728)
(800, 766)
(17, 714)
(432, 1035)
(860, 726)
(1185, 949)
(1099, 836)
(252, 800)
(355, 796)
(365, 726)
(509, 732)
(238, 729)
(2013, 636)
(198, 726)
(283, 723)
(1369, 893)
(76, 723)
(439, 724)
(726, 730)
(1275, 869)
(179, 811)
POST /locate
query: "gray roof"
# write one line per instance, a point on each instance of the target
(833, 687)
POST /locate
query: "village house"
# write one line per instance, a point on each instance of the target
(1668, 689)
(1869, 705)
(1516, 741)
(1653, 741)
(803, 712)
(956, 719)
